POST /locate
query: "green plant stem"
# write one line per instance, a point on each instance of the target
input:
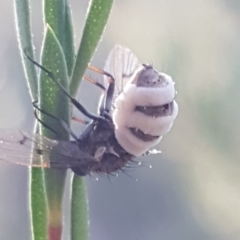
(79, 218)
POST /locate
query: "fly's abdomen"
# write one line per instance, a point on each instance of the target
(145, 110)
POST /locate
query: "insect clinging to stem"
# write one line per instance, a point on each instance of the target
(135, 111)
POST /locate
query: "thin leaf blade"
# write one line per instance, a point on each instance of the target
(57, 14)
(36, 187)
(98, 14)
(52, 100)
(24, 34)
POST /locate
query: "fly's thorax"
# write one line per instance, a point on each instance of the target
(109, 157)
(100, 134)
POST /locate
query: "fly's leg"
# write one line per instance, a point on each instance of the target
(61, 122)
(78, 105)
(80, 120)
(103, 95)
(39, 120)
(106, 106)
(86, 131)
(89, 79)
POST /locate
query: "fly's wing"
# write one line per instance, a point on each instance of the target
(38, 151)
(121, 64)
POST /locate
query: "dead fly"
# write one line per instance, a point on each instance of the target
(136, 109)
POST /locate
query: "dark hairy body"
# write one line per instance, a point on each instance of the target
(101, 136)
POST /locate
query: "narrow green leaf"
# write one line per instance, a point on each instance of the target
(38, 205)
(54, 16)
(79, 210)
(57, 15)
(36, 188)
(53, 100)
(23, 27)
(68, 41)
(96, 20)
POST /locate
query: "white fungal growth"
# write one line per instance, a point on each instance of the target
(145, 87)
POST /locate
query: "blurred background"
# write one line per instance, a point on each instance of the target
(192, 189)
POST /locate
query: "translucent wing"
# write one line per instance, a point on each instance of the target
(37, 151)
(121, 64)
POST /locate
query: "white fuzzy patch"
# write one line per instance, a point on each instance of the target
(150, 125)
(125, 116)
(132, 144)
(143, 96)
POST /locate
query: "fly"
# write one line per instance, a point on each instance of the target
(137, 108)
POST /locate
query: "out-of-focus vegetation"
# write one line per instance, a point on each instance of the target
(193, 189)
